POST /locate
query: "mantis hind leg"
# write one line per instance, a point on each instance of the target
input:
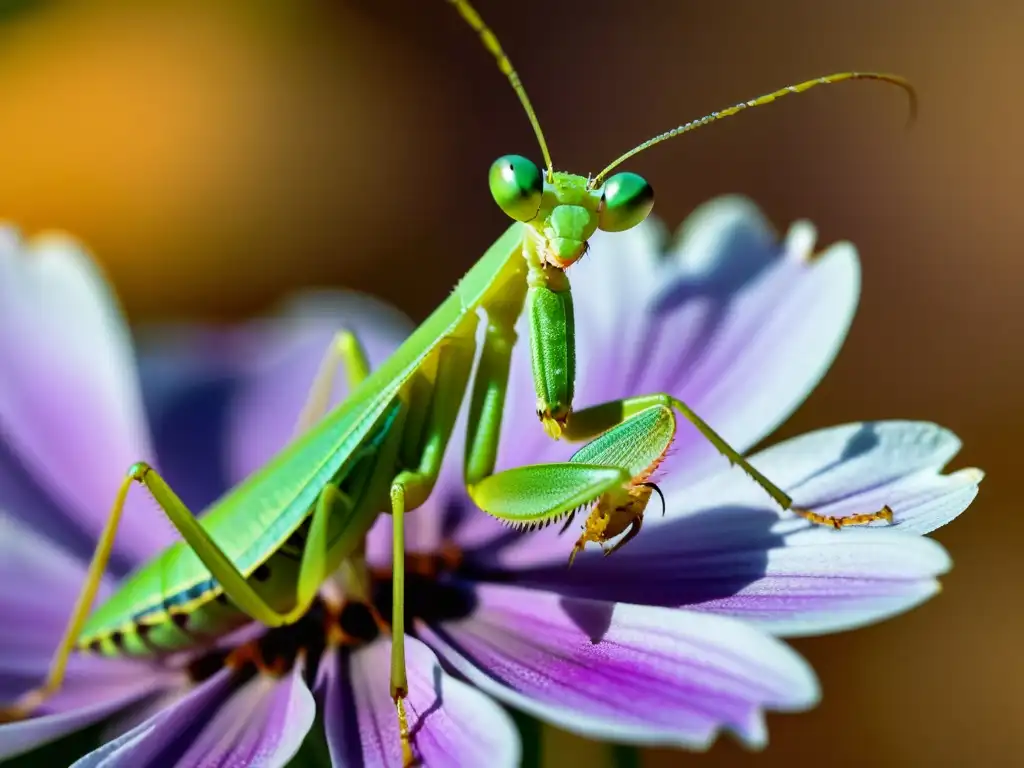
(312, 568)
(588, 422)
(312, 572)
(33, 699)
(345, 351)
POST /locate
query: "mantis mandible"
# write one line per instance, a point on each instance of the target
(263, 550)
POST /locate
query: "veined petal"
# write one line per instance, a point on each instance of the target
(69, 399)
(22, 496)
(261, 724)
(20, 737)
(724, 547)
(451, 723)
(94, 687)
(858, 467)
(622, 672)
(30, 566)
(742, 562)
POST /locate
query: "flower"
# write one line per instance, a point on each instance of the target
(667, 642)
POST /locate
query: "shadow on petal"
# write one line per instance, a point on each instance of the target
(593, 619)
(749, 258)
(708, 555)
(860, 443)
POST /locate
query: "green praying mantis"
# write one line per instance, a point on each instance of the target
(263, 551)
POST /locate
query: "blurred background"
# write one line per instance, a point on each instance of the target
(217, 156)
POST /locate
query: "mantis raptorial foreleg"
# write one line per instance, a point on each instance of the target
(609, 476)
(487, 404)
(588, 422)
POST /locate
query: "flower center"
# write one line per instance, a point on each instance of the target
(433, 592)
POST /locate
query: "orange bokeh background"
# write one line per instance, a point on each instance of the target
(217, 156)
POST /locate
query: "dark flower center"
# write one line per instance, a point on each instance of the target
(433, 592)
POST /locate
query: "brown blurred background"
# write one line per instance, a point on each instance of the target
(216, 156)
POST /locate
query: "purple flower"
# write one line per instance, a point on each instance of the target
(666, 642)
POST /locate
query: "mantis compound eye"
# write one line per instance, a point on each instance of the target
(626, 199)
(517, 186)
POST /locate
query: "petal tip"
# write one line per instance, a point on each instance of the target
(800, 240)
(972, 475)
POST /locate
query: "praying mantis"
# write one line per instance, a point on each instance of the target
(263, 550)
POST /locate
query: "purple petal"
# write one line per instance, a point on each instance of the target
(734, 562)
(28, 559)
(287, 352)
(423, 534)
(739, 325)
(725, 548)
(622, 672)
(70, 408)
(18, 738)
(260, 723)
(451, 723)
(31, 566)
(155, 737)
(858, 467)
(22, 497)
(93, 687)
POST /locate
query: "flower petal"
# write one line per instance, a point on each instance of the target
(20, 737)
(726, 548)
(450, 722)
(93, 687)
(69, 400)
(24, 498)
(733, 306)
(28, 559)
(859, 467)
(621, 672)
(261, 723)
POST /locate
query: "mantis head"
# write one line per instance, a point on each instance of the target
(564, 209)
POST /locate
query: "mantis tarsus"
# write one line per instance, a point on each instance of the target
(263, 550)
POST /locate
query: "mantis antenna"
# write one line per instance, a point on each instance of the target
(490, 41)
(760, 101)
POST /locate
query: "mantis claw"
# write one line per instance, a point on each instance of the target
(408, 759)
(832, 521)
